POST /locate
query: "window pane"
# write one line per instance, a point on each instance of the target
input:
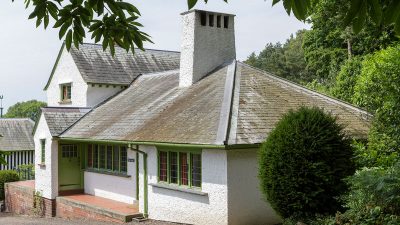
(123, 159)
(163, 166)
(109, 157)
(196, 170)
(43, 143)
(116, 158)
(102, 156)
(69, 92)
(90, 156)
(184, 168)
(96, 156)
(173, 167)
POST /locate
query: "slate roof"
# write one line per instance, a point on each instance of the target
(16, 134)
(236, 104)
(60, 118)
(98, 66)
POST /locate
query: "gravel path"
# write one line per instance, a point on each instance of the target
(9, 219)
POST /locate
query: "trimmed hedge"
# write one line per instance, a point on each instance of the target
(303, 163)
(5, 177)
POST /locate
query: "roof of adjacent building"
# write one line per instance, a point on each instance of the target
(60, 118)
(16, 134)
(100, 67)
(235, 104)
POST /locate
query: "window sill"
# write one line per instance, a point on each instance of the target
(65, 102)
(108, 173)
(41, 165)
(179, 188)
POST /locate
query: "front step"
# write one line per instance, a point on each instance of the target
(96, 208)
(139, 219)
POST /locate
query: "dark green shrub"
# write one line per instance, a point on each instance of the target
(5, 177)
(303, 163)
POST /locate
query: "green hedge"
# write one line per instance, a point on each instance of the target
(5, 177)
(303, 163)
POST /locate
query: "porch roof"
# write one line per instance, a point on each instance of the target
(60, 118)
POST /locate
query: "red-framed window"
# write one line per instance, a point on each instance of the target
(179, 168)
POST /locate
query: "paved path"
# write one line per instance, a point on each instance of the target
(9, 219)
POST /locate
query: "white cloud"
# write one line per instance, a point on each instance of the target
(27, 54)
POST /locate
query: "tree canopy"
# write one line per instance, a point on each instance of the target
(29, 109)
(115, 22)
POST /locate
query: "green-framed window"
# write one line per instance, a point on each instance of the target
(66, 92)
(179, 167)
(43, 150)
(110, 158)
(69, 151)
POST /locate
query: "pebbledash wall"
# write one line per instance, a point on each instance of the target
(47, 174)
(229, 178)
(82, 94)
(118, 188)
(246, 203)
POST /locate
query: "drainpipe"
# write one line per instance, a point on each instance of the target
(145, 193)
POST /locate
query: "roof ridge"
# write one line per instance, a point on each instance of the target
(151, 49)
(330, 98)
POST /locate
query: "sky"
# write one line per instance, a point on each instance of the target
(27, 53)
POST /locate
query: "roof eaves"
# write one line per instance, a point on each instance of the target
(55, 66)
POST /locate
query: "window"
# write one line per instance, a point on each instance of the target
(218, 21)
(179, 167)
(211, 20)
(163, 157)
(65, 92)
(111, 158)
(226, 21)
(203, 18)
(196, 169)
(43, 150)
(69, 151)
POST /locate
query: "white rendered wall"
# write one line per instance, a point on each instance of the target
(46, 177)
(67, 72)
(97, 94)
(246, 204)
(175, 206)
(204, 48)
(122, 189)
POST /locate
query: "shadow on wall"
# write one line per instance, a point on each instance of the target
(182, 195)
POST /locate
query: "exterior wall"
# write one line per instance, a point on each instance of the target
(122, 189)
(18, 158)
(97, 94)
(182, 207)
(246, 204)
(204, 48)
(46, 175)
(67, 72)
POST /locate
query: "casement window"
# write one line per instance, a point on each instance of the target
(109, 158)
(43, 150)
(179, 168)
(65, 92)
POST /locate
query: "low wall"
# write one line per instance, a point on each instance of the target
(20, 199)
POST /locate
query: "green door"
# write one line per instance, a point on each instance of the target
(69, 170)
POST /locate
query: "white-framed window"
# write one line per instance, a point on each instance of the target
(66, 92)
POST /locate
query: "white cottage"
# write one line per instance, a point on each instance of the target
(174, 134)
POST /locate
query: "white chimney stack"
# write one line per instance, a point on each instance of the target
(208, 41)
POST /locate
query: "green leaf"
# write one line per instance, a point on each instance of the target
(359, 21)
(191, 3)
(63, 30)
(46, 21)
(375, 11)
(275, 1)
(68, 40)
(352, 13)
